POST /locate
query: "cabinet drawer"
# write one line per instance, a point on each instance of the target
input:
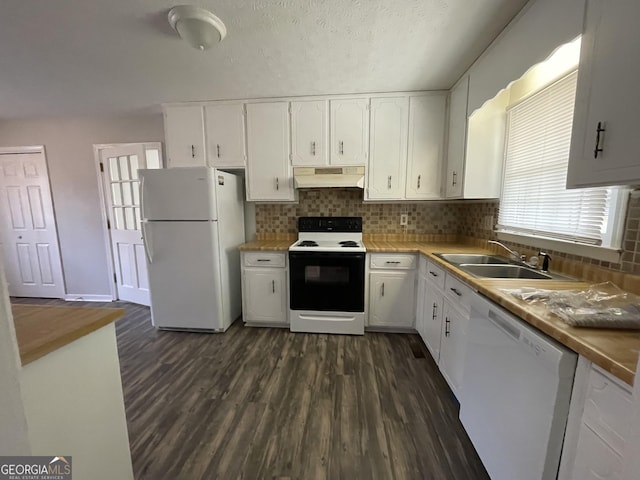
(607, 409)
(264, 259)
(405, 262)
(458, 293)
(436, 275)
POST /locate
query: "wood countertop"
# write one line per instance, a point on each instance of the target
(277, 245)
(616, 351)
(42, 329)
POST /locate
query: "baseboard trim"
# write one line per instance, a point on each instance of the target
(76, 297)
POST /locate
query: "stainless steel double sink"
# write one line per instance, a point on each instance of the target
(494, 266)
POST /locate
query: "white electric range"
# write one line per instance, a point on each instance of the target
(327, 276)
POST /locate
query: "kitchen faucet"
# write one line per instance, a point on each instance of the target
(514, 254)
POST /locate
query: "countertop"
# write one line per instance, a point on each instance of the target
(42, 329)
(277, 245)
(616, 351)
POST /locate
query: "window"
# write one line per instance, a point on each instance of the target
(535, 201)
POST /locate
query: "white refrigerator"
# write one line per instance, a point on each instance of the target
(192, 224)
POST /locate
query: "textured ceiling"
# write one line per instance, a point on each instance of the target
(69, 57)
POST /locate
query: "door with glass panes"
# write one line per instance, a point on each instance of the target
(119, 167)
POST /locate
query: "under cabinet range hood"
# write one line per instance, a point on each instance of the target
(328, 177)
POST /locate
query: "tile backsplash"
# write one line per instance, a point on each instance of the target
(379, 218)
(468, 219)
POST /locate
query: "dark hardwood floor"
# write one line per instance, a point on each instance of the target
(257, 403)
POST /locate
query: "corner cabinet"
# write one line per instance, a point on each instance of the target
(225, 135)
(392, 286)
(269, 175)
(388, 147)
(264, 288)
(349, 131)
(406, 147)
(184, 136)
(425, 155)
(603, 143)
(458, 100)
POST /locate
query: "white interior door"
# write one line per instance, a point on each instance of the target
(28, 231)
(119, 169)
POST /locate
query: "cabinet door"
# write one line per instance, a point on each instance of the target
(225, 135)
(453, 346)
(349, 131)
(426, 145)
(309, 133)
(433, 303)
(595, 460)
(265, 295)
(184, 134)
(457, 139)
(391, 299)
(420, 305)
(268, 166)
(607, 93)
(388, 148)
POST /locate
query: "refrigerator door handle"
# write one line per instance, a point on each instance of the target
(146, 244)
(142, 212)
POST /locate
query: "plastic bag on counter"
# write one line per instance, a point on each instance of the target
(602, 305)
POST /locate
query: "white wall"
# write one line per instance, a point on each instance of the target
(13, 425)
(69, 149)
(530, 38)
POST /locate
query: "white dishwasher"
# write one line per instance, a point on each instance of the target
(515, 394)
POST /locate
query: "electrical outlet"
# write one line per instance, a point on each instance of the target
(404, 219)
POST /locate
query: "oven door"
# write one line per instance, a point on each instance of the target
(326, 281)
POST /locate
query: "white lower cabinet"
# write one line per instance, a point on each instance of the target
(392, 287)
(453, 344)
(604, 427)
(595, 459)
(264, 288)
(432, 319)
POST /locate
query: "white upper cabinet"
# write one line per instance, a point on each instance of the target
(387, 162)
(605, 124)
(349, 131)
(476, 145)
(268, 167)
(457, 139)
(309, 133)
(425, 149)
(184, 136)
(225, 135)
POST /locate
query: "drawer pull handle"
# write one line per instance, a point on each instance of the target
(447, 330)
(393, 263)
(382, 289)
(600, 129)
(193, 151)
(434, 311)
(419, 177)
(273, 286)
(341, 147)
(218, 148)
(434, 274)
(264, 260)
(456, 291)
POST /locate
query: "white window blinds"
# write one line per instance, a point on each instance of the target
(535, 200)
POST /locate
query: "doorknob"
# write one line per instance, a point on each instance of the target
(19, 237)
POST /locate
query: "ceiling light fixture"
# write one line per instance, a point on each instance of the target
(198, 27)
